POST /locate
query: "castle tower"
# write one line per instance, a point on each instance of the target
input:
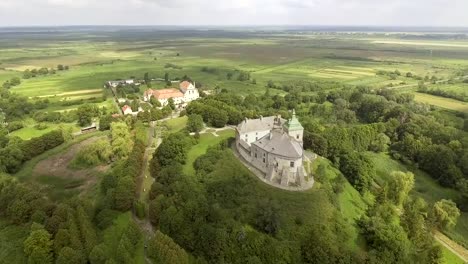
(294, 128)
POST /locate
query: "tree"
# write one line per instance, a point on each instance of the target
(195, 123)
(120, 139)
(399, 186)
(166, 77)
(68, 256)
(267, 219)
(60, 67)
(15, 81)
(229, 75)
(358, 169)
(38, 247)
(98, 254)
(105, 122)
(163, 249)
(171, 103)
(445, 214)
(85, 114)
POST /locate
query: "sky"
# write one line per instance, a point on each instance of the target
(434, 13)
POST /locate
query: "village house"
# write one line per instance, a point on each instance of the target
(273, 146)
(186, 93)
(127, 110)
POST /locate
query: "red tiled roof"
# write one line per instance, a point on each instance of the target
(125, 107)
(167, 93)
(184, 85)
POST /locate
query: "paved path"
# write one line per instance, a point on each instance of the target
(456, 249)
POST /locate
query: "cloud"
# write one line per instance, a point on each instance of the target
(237, 12)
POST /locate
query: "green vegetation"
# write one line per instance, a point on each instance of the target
(205, 141)
(391, 170)
(176, 124)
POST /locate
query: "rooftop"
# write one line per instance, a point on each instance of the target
(260, 124)
(280, 143)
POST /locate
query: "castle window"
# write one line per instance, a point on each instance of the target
(291, 164)
(297, 136)
(255, 154)
(256, 138)
(264, 160)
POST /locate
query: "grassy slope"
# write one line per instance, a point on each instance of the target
(350, 202)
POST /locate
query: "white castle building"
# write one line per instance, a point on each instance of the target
(274, 146)
(186, 93)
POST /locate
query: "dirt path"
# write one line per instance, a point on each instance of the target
(451, 245)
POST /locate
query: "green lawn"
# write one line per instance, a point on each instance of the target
(449, 257)
(176, 124)
(206, 140)
(30, 131)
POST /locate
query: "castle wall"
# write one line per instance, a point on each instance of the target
(253, 136)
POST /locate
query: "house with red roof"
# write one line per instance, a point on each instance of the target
(127, 110)
(187, 92)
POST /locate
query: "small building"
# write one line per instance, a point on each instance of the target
(127, 110)
(89, 129)
(273, 146)
(187, 92)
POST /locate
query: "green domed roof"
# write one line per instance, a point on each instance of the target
(293, 124)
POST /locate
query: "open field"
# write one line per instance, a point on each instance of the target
(442, 102)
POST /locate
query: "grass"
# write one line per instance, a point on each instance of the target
(350, 202)
(449, 257)
(11, 242)
(206, 140)
(442, 102)
(176, 124)
(30, 131)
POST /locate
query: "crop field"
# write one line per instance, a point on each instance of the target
(442, 102)
(353, 61)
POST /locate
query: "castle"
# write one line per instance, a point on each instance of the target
(273, 146)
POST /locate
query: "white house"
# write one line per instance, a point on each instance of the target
(186, 93)
(127, 110)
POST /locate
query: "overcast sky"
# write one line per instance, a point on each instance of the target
(235, 12)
